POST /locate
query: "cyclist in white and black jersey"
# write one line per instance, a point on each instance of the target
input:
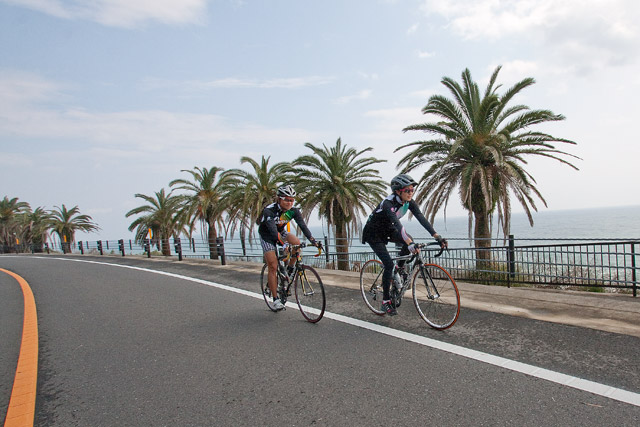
(384, 226)
(273, 232)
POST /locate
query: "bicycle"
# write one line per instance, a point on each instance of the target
(308, 287)
(435, 293)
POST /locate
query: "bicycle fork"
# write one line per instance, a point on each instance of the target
(307, 289)
(429, 284)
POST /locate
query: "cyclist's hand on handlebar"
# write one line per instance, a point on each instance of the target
(441, 240)
(413, 248)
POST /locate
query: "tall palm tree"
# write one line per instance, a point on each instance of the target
(163, 215)
(479, 147)
(341, 184)
(205, 201)
(10, 209)
(249, 192)
(65, 222)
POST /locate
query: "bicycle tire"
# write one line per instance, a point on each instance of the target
(371, 285)
(436, 296)
(264, 288)
(310, 294)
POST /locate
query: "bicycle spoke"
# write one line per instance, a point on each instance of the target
(310, 295)
(436, 296)
(264, 288)
(371, 285)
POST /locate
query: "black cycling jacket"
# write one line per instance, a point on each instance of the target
(274, 219)
(385, 220)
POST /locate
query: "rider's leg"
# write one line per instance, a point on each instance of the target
(402, 245)
(380, 248)
(271, 259)
(293, 240)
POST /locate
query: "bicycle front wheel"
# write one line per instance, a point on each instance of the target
(310, 294)
(371, 285)
(264, 288)
(436, 296)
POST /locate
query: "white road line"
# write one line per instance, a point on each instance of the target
(512, 365)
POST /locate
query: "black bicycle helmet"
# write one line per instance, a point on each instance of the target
(286, 191)
(401, 181)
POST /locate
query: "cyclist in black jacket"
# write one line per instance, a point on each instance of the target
(272, 231)
(384, 226)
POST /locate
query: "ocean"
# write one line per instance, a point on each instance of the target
(564, 226)
(576, 224)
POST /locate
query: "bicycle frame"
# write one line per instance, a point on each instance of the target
(417, 261)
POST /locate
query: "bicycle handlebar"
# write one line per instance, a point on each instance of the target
(304, 245)
(424, 245)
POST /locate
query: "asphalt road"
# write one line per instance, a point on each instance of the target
(127, 347)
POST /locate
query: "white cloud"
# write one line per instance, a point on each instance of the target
(424, 55)
(584, 36)
(121, 13)
(363, 94)
(240, 83)
(127, 132)
(412, 29)
(369, 76)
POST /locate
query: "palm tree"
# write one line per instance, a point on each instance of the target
(479, 147)
(249, 192)
(164, 216)
(341, 184)
(34, 227)
(65, 222)
(10, 209)
(205, 202)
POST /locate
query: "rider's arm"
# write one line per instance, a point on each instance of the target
(297, 216)
(415, 210)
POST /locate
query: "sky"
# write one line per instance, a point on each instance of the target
(103, 99)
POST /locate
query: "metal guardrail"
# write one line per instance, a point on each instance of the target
(586, 263)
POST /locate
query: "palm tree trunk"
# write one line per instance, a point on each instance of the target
(166, 247)
(342, 244)
(482, 235)
(212, 236)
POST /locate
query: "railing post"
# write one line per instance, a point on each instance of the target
(511, 260)
(326, 248)
(81, 248)
(100, 247)
(193, 244)
(633, 270)
(220, 248)
(178, 246)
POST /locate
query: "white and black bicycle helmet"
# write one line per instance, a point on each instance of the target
(401, 181)
(286, 191)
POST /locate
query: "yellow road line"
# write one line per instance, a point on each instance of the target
(22, 405)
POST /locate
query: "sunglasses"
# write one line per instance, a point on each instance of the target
(408, 190)
(288, 199)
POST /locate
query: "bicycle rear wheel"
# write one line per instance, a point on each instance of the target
(310, 294)
(436, 296)
(264, 288)
(371, 285)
